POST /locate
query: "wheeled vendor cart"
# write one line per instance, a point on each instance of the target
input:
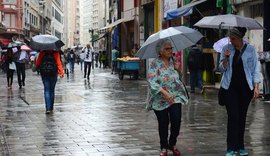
(130, 67)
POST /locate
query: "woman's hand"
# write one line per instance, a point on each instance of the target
(167, 96)
(256, 91)
(227, 53)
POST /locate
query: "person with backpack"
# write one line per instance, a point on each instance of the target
(50, 66)
(195, 66)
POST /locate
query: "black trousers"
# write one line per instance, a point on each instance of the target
(170, 115)
(20, 68)
(237, 107)
(10, 77)
(87, 69)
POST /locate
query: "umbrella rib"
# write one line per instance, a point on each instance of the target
(174, 44)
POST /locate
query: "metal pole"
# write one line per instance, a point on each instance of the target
(92, 33)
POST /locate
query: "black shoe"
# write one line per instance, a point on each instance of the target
(47, 112)
(20, 87)
(23, 84)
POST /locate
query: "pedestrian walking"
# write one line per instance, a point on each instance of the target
(88, 59)
(3, 61)
(82, 59)
(115, 55)
(20, 60)
(195, 66)
(241, 77)
(50, 66)
(99, 58)
(10, 67)
(104, 59)
(71, 60)
(166, 96)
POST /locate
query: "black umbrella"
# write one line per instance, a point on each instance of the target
(45, 42)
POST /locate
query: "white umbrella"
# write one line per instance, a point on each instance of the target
(45, 42)
(218, 45)
(228, 21)
(181, 38)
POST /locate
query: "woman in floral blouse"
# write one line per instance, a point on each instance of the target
(166, 96)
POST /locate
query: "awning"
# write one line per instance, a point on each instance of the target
(113, 24)
(183, 11)
(99, 38)
(5, 42)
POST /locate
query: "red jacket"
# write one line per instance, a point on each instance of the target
(56, 57)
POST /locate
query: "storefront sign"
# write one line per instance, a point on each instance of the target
(14, 2)
(169, 5)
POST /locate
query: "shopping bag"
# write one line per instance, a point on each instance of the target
(12, 66)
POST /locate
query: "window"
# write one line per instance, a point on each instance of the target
(57, 16)
(57, 34)
(53, 11)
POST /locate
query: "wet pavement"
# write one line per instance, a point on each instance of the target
(106, 117)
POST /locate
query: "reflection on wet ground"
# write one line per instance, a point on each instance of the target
(106, 116)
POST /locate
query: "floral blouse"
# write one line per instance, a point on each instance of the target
(161, 76)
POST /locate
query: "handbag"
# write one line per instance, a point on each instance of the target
(12, 66)
(34, 67)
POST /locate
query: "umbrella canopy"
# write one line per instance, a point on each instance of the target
(25, 48)
(45, 42)
(181, 38)
(218, 46)
(228, 21)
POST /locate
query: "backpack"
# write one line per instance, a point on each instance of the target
(48, 65)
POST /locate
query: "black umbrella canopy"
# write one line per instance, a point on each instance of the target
(45, 42)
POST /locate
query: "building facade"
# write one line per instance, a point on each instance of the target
(12, 18)
(86, 21)
(57, 24)
(72, 23)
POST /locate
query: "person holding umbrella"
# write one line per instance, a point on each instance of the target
(20, 60)
(241, 77)
(166, 96)
(50, 66)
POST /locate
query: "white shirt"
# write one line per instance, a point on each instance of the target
(88, 54)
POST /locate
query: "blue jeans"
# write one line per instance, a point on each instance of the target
(81, 61)
(49, 87)
(170, 115)
(71, 67)
(196, 78)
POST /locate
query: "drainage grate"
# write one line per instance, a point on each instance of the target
(5, 150)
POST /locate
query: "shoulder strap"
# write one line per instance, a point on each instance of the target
(241, 53)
